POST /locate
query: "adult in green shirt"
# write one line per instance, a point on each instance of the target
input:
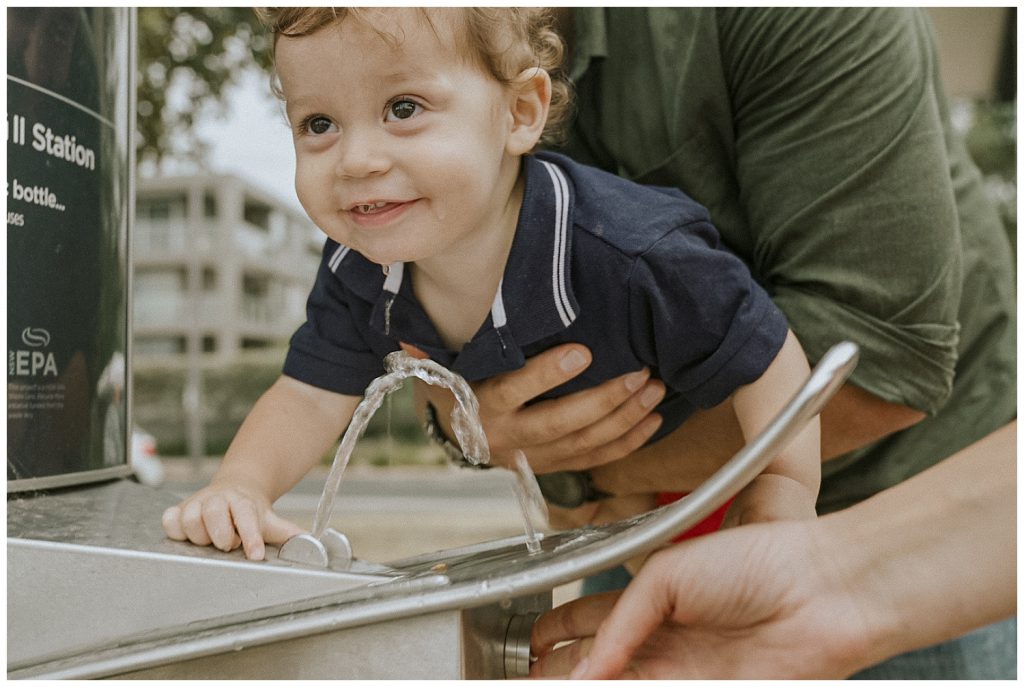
(821, 143)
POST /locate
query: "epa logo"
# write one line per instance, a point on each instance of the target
(35, 337)
(32, 363)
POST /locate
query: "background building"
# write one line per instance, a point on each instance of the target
(220, 266)
(222, 269)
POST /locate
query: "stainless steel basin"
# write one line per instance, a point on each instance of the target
(96, 590)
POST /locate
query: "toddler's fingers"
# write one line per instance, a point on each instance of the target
(217, 522)
(171, 522)
(192, 523)
(247, 523)
(277, 530)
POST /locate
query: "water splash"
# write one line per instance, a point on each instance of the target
(401, 366)
(389, 439)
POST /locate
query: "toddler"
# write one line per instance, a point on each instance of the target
(414, 133)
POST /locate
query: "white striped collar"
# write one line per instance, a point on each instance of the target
(538, 275)
(393, 285)
(337, 256)
(561, 241)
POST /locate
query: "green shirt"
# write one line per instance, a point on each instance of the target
(819, 139)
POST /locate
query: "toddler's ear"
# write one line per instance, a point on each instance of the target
(531, 98)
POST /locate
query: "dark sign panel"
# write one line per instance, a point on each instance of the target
(69, 168)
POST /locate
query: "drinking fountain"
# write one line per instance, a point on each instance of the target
(94, 588)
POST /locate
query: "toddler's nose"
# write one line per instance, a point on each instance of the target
(362, 156)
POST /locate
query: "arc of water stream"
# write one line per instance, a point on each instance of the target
(400, 366)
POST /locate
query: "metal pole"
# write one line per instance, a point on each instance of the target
(193, 393)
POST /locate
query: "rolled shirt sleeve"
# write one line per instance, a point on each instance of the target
(842, 160)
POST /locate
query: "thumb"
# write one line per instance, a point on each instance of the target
(277, 530)
(644, 605)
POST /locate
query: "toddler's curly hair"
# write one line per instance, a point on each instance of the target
(504, 41)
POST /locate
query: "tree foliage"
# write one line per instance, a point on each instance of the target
(188, 56)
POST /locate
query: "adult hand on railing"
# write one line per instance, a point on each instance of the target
(742, 603)
(810, 599)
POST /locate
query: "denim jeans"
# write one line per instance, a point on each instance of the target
(989, 653)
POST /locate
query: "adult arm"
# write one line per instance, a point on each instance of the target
(599, 427)
(289, 429)
(683, 460)
(920, 563)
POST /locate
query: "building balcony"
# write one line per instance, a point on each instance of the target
(171, 240)
(176, 312)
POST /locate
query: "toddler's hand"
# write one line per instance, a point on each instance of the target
(228, 517)
(768, 498)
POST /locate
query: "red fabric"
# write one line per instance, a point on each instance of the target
(414, 351)
(710, 524)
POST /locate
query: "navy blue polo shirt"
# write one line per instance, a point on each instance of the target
(636, 273)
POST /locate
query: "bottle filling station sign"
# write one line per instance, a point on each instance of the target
(70, 118)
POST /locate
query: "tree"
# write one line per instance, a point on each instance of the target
(187, 58)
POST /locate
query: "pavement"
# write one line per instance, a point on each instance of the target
(389, 513)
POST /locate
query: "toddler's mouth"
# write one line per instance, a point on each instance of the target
(375, 212)
(370, 208)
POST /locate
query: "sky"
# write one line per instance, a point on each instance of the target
(253, 141)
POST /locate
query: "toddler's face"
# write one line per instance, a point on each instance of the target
(399, 147)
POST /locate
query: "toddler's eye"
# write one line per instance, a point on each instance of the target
(317, 124)
(401, 109)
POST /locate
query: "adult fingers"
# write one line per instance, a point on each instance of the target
(541, 373)
(560, 662)
(606, 441)
(574, 620)
(644, 605)
(615, 404)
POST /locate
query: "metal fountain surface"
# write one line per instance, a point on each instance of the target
(156, 608)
